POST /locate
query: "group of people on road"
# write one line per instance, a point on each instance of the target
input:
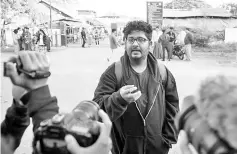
(90, 36)
(24, 40)
(164, 40)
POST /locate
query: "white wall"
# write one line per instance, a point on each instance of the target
(230, 35)
(209, 24)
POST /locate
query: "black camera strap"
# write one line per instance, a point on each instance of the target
(184, 115)
(34, 74)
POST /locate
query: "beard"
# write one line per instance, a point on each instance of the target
(136, 56)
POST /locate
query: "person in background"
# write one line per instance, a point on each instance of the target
(90, 36)
(20, 38)
(113, 43)
(188, 40)
(157, 48)
(27, 39)
(34, 44)
(41, 40)
(180, 37)
(83, 36)
(15, 41)
(75, 37)
(164, 40)
(172, 36)
(97, 37)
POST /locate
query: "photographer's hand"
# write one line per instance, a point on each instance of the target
(103, 144)
(185, 147)
(31, 61)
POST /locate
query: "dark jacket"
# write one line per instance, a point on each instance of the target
(83, 35)
(188, 39)
(164, 39)
(131, 133)
(113, 41)
(39, 105)
(172, 36)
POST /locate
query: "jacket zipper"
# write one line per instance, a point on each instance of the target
(144, 119)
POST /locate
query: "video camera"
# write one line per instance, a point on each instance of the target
(32, 75)
(80, 123)
(205, 139)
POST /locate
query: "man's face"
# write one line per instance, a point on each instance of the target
(137, 45)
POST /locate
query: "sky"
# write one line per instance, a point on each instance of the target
(135, 8)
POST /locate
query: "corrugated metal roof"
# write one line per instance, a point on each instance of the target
(213, 12)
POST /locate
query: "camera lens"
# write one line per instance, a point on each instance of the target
(86, 110)
(199, 133)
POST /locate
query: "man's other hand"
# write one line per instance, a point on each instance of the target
(103, 145)
(31, 61)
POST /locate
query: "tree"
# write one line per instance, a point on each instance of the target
(10, 9)
(232, 7)
(186, 4)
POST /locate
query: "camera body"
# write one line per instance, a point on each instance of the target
(204, 139)
(80, 123)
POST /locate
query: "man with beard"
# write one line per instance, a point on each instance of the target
(140, 96)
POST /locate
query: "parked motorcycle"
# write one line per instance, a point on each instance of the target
(178, 51)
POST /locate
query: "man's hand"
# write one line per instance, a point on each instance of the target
(31, 61)
(103, 144)
(128, 93)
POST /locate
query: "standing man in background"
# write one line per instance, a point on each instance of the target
(27, 39)
(83, 36)
(188, 40)
(157, 50)
(164, 40)
(172, 36)
(113, 42)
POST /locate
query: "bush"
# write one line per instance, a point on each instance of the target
(218, 47)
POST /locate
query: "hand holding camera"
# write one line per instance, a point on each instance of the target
(29, 70)
(209, 119)
(76, 132)
(130, 93)
(103, 143)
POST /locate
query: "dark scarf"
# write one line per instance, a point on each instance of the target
(151, 64)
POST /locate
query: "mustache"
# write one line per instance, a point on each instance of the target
(136, 49)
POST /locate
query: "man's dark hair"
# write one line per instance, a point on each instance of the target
(113, 30)
(15, 31)
(163, 30)
(138, 25)
(26, 27)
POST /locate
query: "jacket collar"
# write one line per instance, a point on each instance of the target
(151, 64)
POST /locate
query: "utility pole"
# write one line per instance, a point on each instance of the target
(50, 15)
